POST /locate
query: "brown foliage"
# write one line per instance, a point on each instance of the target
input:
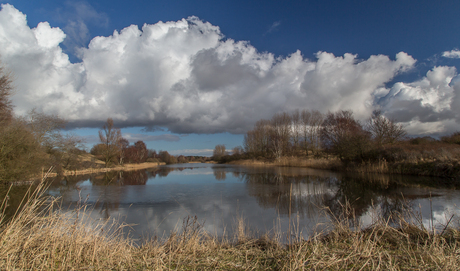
(110, 137)
(219, 152)
(383, 130)
(137, 153)
(452, 139)
(21, 155)
(6, 88)
(344, 136)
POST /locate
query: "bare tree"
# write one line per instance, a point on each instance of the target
(46, 128)
(305, 116)
(110, 137)
(66, 150)
(123, 144)
(344, 136)
(62, 148)
(6, 89)
(257, 141)
(314, 133)
(219, 152)
(296, 126)
(384, 130)
(141, 151)
(311, 122)
(238, 150)
(281, 130)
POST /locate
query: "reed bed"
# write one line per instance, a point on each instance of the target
(40, 237)
(292, 161)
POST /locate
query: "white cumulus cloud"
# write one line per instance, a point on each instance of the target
(186, 77)
(452, 54)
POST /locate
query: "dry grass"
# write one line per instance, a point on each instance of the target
(292, 161)
(40, 238)
(125, 167)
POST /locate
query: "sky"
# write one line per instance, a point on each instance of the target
(184, 76)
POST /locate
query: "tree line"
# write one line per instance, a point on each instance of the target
(114, 149)
(311, 133)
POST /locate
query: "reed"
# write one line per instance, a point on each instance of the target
(40, 237)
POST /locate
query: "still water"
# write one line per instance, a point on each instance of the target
(156, 201)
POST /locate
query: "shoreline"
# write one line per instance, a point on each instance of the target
(126, 167)
(443, 169)
(88, 171)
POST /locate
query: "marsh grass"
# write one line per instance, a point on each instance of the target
(40, 237)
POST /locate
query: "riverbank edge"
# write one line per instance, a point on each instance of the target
(88, 171)
(445, 169)
(125, 167)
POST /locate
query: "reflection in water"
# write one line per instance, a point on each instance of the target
(220, 174)
(158, 199)
(301, 194)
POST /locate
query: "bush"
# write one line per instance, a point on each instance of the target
(390, 154)
(422, 140)
(452, 139)
(21, 154)
(152, 160)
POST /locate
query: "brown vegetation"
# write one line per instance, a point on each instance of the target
(33, 142)
(338, 141)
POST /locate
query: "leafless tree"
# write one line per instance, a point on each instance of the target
(384, 130)
(305, 117)
(219, 152)
(257, 141)
(110, 137)
(296, 126)
(280, 134)
(123, 144)
(344, 136)
(6, 90)
(238, 150)
(311, 122)
(62, 148)
(46, 128)
(141, 151)
(316, 122)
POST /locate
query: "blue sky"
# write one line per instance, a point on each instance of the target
(192, 74)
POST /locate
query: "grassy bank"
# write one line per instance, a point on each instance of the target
(38, 237)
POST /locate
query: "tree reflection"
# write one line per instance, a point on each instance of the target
(108, 178)
(301, 194)
(220, 173)
(360, 192)
(138, 177)
(109, 200)
(345, 195)
(160, 171)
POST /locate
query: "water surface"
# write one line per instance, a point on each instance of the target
(156, 201)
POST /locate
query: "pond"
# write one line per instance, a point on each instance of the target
(156, 201)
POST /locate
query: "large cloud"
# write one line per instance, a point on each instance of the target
(186, 77)
(427, 106)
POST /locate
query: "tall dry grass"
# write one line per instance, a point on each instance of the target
(40, 237)
(293, 161)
